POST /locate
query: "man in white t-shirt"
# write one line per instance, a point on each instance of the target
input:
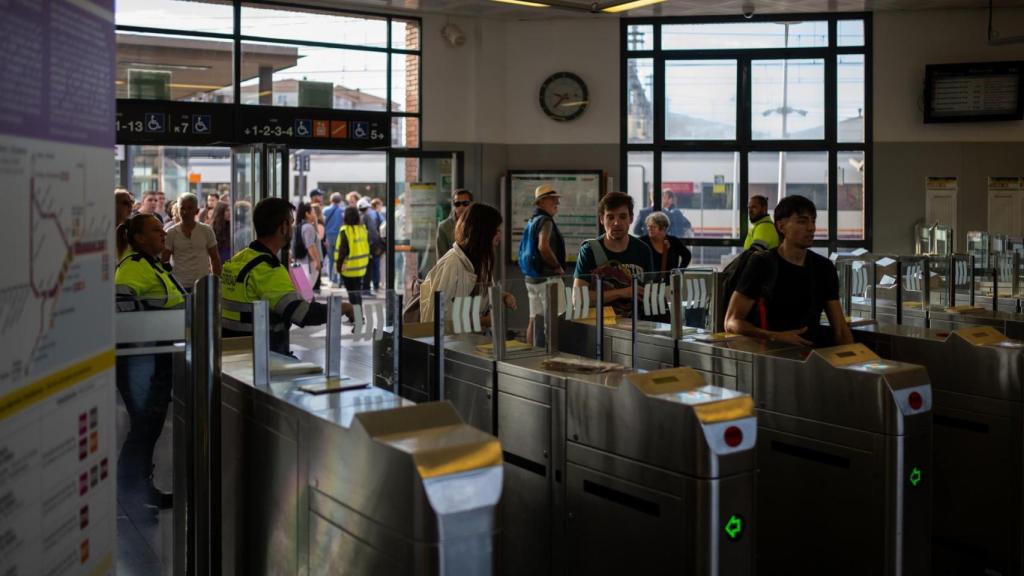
(191, 246)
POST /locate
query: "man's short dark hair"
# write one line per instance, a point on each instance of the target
(793, 205)
(762, 200)
(614, 201)
(315, 192)
(269, 214)
(461, 191)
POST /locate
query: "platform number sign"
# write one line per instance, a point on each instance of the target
(915, 477)
(734, 527)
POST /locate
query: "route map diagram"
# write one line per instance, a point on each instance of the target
(54, 229)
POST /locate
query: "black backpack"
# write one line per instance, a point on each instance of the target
(730, 279)
(299, 250)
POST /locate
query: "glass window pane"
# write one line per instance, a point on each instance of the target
(205, 16)
(405, 34)
(850, 33)
(703, 187)
(640, 105)
(640, 37)
(803, 173)
(640, 186)
(700, 100)
(850, 199)
(850, 97)
(283, 75)
(314, 26)
(788, 99)
(744, 35)
(405, 83)
(159, 67)
(405, 132)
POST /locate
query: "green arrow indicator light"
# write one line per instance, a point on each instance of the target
(734, 527)
(915, 476)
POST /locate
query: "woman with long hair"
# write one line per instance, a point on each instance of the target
(306, 243)
(468, 267)
(221, 224)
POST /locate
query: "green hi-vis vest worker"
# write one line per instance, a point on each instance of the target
(357, 257)
(145, 283)
(254, 274)
(763, 232)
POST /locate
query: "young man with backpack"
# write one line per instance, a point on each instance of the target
(615, 257)
(781, 293)
(542, 253)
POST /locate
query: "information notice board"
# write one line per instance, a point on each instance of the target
(58, 454)
(577, 220)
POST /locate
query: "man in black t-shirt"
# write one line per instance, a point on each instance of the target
(782, 293)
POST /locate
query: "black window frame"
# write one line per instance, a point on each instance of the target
(237, 38)
(744, 144)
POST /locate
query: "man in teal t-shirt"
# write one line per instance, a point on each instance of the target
(762, 229)
(615, 257)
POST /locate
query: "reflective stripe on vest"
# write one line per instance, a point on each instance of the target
(252, 275)
(358, 257)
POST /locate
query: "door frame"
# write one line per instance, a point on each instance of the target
(458, 177)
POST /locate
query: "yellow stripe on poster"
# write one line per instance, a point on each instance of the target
(55, 383)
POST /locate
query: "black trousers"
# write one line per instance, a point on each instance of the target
(144, 383)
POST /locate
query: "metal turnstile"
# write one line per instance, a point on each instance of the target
(977, 377)
(844, 455)
(623, 473)
(360, 481)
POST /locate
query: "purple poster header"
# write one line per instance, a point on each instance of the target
(58, 70)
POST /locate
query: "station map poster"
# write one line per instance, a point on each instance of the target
(577, 211)
(58, 456)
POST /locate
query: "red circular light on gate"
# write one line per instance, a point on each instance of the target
(733, 436)
(942, 334)
(915, 400)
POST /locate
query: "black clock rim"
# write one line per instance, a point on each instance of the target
(579, 110)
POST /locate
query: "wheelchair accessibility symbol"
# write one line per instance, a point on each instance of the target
(201, 124)
(303, 128)
(155, 122)
(361, 130)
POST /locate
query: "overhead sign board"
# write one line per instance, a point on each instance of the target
(206, 124)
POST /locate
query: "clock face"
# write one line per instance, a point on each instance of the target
(563, 96)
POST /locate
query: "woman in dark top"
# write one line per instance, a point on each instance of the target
(668, 251)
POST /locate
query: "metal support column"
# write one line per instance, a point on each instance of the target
(972, 263)
(551, 318)
(634, 350)
(333, 356)
(599, 318)
(899, 292)
(260, 343)
(439, 301)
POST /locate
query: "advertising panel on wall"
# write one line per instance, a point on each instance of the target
(577, 219)
(58, 457)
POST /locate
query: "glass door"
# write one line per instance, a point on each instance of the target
(258, 171)
(419, 199)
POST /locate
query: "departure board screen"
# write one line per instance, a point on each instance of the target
(974, 92)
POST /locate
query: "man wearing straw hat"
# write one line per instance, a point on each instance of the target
(542, 253)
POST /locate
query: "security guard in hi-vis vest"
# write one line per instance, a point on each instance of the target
(143, 281)
(352, 254)
(255, 273)
(144, 381)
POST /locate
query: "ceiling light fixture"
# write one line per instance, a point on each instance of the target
(524, 3)
(629, 6)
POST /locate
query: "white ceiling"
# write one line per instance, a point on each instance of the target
(490, 9)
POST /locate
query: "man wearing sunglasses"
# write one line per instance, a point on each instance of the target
(446, 229)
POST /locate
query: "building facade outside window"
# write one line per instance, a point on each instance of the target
(716, 110)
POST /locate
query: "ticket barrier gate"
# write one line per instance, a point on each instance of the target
(617, 473)
(844, 455)
(977, 378)
(347, 479)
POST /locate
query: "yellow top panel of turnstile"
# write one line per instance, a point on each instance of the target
(686, 386)
(963, 309)
(980, 335)
(847, 354)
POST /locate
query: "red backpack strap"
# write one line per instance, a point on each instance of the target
(762, 312)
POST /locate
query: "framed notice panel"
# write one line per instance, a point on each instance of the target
(986, 91)
(577, 211)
